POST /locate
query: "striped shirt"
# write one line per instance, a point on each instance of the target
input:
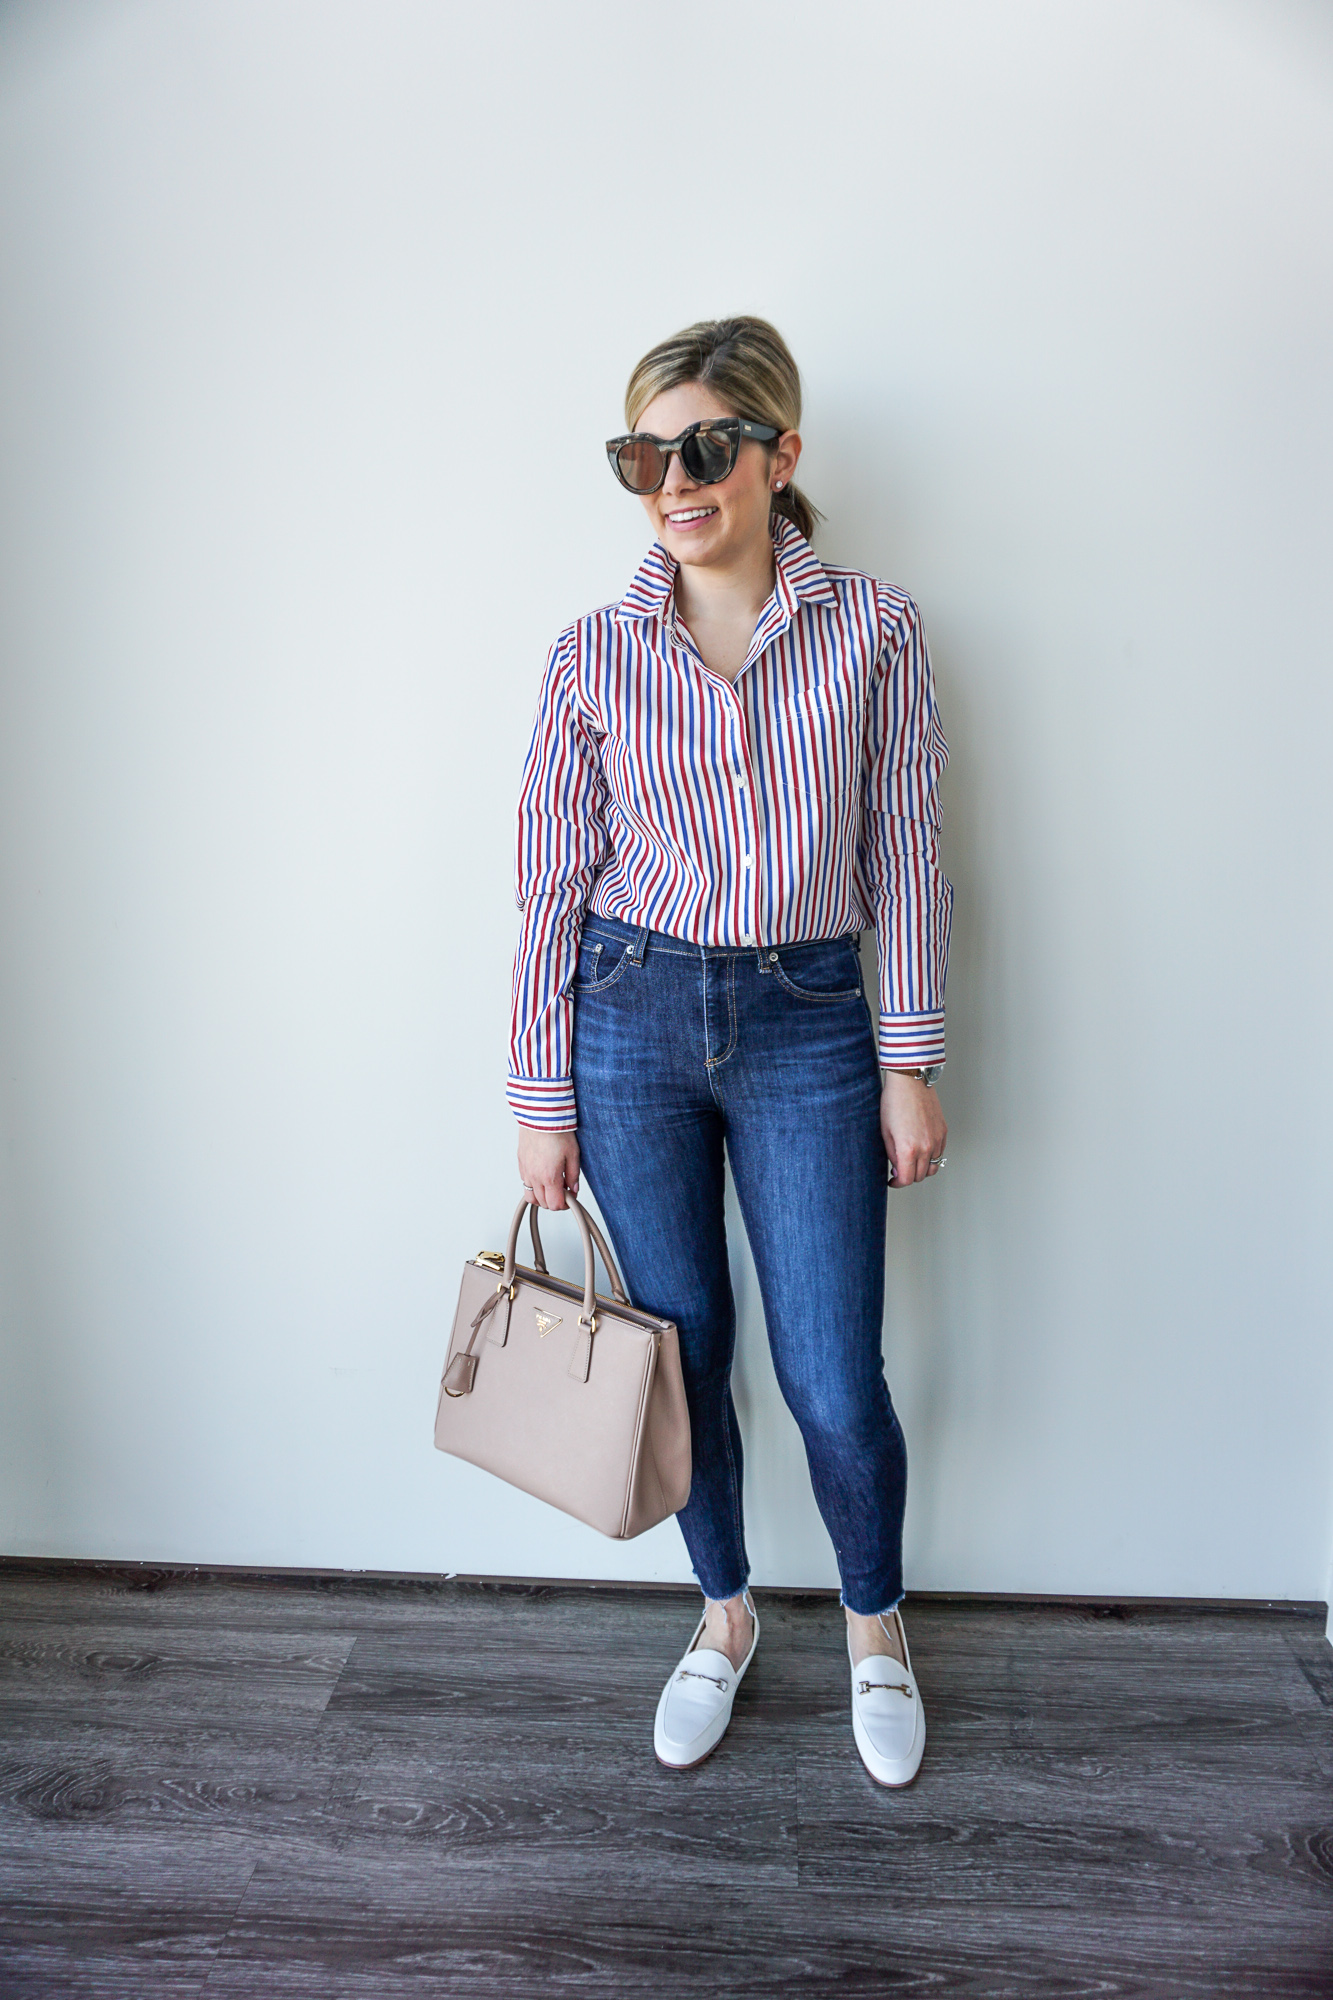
(800, 802)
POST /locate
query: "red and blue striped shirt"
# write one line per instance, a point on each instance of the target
(799, 802)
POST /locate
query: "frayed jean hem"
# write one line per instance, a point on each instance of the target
(882, 1612)
(724, 1596)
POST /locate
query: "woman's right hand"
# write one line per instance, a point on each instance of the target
(548, 1165)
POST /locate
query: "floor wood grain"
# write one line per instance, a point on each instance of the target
(219, 1786)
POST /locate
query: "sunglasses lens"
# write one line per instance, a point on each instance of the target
(708, 456)
(640, 465)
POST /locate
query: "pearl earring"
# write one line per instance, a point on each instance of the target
(777, 486)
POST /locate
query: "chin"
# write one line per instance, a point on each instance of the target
(694, 548)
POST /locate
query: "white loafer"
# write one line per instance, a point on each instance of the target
(888, 1720)
(695, 1705)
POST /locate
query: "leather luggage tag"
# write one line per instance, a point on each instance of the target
(458, 1376)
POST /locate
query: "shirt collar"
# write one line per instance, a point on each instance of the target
(801, 577)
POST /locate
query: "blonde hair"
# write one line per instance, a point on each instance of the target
(748, 364)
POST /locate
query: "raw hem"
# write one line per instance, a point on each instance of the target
(881, 1611)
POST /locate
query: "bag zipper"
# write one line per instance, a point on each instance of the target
(491, 1260)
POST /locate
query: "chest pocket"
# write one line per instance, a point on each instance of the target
(824, 735)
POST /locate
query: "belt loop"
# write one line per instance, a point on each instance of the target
(637, 949)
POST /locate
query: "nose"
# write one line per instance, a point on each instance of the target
(677, 478)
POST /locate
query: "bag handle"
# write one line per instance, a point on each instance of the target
(459, 1375)
(587, 1228)
(618, 1291)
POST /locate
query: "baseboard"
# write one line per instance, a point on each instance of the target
(153, 1575)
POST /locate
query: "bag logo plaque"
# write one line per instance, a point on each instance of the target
(545, 1324)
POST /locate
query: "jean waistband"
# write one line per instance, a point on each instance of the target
(641, 939)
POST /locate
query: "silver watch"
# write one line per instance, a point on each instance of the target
(926, 1075)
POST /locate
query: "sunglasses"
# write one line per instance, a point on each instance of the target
(708, 452)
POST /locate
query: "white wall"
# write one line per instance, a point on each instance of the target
(315, 317)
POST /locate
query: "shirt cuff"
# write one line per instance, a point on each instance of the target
(544, 1101)
(911, 1041)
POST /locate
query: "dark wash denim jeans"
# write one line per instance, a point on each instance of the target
(680, 1050)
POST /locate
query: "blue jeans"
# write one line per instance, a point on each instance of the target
(680, 1050)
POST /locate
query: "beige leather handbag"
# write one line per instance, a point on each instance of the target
(574, 1398)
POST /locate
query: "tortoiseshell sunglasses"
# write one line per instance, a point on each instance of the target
(708, 452)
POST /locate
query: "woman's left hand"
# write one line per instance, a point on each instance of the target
(914, 1130)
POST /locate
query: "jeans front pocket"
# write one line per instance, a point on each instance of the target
(600, 964)
(821, 972)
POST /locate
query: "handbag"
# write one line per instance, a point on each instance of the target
(572, 1397)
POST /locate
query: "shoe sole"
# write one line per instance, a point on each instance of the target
(892, 1784)
(667, 1765)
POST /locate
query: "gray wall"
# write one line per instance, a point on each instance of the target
(314, 320)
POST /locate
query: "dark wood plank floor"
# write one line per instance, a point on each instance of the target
(220, 1786)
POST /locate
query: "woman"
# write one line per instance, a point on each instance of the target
(733, 773)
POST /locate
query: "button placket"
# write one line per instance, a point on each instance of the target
(740, 777)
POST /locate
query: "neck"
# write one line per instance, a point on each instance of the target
(744, 584)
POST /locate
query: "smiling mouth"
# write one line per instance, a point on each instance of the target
(688, 517)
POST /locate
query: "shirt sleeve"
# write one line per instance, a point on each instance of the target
(560, 841)
(899, 851)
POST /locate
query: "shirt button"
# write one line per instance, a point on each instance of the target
(748, 938)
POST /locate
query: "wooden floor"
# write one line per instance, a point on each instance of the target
(226, 1786)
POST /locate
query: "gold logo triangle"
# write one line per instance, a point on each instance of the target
(545, 1323)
